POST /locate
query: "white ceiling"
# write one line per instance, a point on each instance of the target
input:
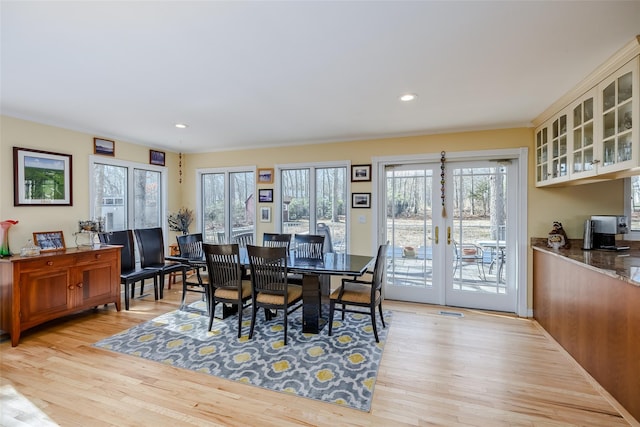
(251, 74)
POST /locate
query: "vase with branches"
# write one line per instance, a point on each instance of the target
(181, 220)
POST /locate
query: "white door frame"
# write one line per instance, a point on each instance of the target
(521, 220)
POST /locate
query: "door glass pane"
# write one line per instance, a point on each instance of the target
(479, 230)
(242, 207)
(213, 208)
(409, 222)
(625, 88)
(295, 201)
(147, 203)
(331, 202)
(110, 200)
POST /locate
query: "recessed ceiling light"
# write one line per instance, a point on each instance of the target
(181, 125)
(408, 97)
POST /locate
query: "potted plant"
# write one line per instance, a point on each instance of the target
(181, 220)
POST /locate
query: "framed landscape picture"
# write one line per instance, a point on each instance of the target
(361, 200)
(265, 214)
(265, 176)
(265, 195)
(41, 178)
(156, 157)
(105, 147)
(360, 173)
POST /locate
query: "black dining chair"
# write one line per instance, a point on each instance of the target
(225, 277)
(273, 240)
(151, 248)
(364, 294)
(190, 246)
(270, 287)
(129, 274)
(309, 246)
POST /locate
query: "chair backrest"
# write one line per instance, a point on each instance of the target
(123, 238)
(223, 266)
(309, 246)
(243, 239)
(268, 269)
(190, 245)
(275, 240)
(150, 246)
(378, 270)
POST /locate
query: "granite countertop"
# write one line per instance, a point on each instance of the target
(623, 265)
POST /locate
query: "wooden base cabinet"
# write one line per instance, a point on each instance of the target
(35, 290)
(596, 318)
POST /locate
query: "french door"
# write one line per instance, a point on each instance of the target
(450, 237)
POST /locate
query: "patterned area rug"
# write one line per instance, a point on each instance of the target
(340, 369)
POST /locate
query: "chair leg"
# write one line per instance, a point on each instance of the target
(126, 295)
(240, 319)
(155, 287)
(212, 310)
(254, 310)
(161, 285)
(332, 307)
(285, 325)
(184, 289)
(344, 307)
(373, 322)
(381, 315)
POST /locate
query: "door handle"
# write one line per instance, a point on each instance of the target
(448, 235)
(437, 232)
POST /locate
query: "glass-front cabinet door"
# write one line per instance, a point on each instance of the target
(542, 154)
(559, 151)
(619, 105)
(582, 133)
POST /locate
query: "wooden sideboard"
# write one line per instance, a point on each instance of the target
(34, 290)
(596, 318)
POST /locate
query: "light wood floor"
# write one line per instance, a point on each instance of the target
(480, 370)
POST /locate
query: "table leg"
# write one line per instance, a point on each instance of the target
(312, 321)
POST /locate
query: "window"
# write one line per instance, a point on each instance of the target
(632, 206)
(126, 194)
(314, 200)
(227, 205)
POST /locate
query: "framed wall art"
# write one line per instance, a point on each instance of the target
(265, 195)
(361, 200)
(265, 176)
(156, 157)
(360, 173)
(265, 214)
(49, 240)
(41, 178)
(105, 147)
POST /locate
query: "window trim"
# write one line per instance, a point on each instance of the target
(93, 159)
(631, 235)
(277, 208)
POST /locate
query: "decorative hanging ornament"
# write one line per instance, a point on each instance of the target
(180, 168)
(442, 160)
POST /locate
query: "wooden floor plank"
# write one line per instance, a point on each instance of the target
(478, 370)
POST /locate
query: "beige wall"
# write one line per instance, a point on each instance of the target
(25, 134)
(570, 205)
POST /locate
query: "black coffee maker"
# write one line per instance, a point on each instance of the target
(605, 229)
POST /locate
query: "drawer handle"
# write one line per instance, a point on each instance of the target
(49, 263)
(98, 256)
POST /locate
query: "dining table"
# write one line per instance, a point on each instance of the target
(314, 271)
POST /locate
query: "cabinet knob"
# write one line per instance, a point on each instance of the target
(49, 263)
(71, 287)
(80, 284)
(98, 256)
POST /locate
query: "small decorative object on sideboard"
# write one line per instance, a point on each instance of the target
(89, 229)
(30, 249)
(558, 237)
(4, 236)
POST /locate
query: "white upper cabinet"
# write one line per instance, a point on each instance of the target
(618, 137)
(594, 136)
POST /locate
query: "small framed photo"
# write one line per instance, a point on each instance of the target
(156, 157)
(265, 195)
(360, 173)
(265, 176)
(265, 214)
(41, 178)
(105, 147)
(49, 240)
(360, 200)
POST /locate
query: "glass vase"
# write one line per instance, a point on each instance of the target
(4, 237)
